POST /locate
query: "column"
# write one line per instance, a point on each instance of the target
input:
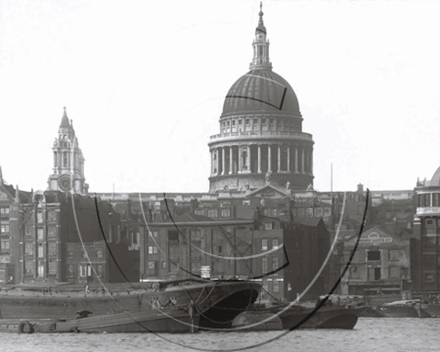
(288, 159)
(302, 162)
(248, 151)
(311, 161)
(296, 159)
(230, 160)
(259, 159)
(223, 160)
(279, 158)
(217, 164)
(240, 159)
(269, 158)
(212, 162)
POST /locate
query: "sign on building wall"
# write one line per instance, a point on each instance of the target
(374, 237)
(205, 271)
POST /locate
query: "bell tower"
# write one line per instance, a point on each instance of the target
(68, 161)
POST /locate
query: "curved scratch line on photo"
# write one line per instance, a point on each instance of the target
(322, 303)
(281, 247)
(313, 280)
(111, 296)
(158, 246)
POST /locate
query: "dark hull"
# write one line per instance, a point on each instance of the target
(324, 318)
(169, 321)
(433, 310)
(210, 305)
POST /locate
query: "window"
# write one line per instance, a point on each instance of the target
(51, 215)
(99, 254)
(373, 255)
(264, 244)
(164, 265)
(40, 250)
(275, 243)
(4, 211)
(152, 249)
(29, 267)
(436, 199)
(276, 286)
(226, 213)
(264, 265)
(373, 274)
(100, 270)
(52, 248)
(52, 267)
(274, 263)
(52, 232)
(40, 217)
(424, 200)
(151, 265)
(5, 246)
(4, 227)
(213, 213)
(83, 270)
(29, 248)
(268, 225)
(220, 250)
(429, 278)
(40, 233)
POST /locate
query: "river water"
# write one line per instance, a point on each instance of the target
(369, 334)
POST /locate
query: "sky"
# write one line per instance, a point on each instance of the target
(144, 83)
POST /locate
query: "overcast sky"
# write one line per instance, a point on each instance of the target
(144, 83)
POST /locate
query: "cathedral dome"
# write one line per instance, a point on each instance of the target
(261, 90)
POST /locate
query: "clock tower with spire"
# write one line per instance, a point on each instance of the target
(68, 170)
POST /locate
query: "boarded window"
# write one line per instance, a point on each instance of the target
(394, 254)
(373, 255)
(394, 272)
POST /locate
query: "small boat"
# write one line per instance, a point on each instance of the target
(169, 306)
(401, 309)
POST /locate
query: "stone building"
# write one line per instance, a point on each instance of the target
(425, 247)
(8, 195)
(261, 133)
(381, 263)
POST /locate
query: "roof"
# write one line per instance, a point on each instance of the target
(260, 91)
(308, 221)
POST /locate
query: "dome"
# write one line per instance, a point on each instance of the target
(435, 181)
(259, 91)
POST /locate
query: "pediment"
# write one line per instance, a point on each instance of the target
(268, 192)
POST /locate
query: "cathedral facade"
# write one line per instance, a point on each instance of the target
(261, 139)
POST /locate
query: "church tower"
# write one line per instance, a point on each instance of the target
(68, 170)
(261, 139)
